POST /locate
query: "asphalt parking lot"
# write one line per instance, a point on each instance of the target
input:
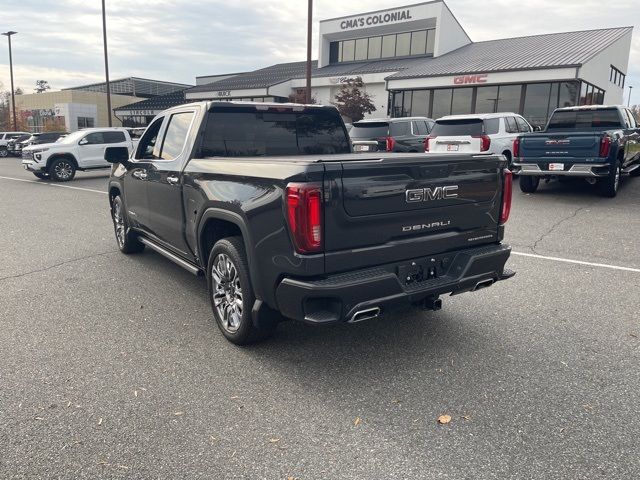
(111, 367)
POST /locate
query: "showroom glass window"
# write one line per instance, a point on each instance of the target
(420, 103)
(441, 102)
(461, 103)
(536, 103)
(486, 99)
(404, 44)
(509, 98)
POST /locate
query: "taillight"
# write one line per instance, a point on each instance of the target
(304, 212)
(507, 193)
(516, 147)
(485, 142)
(605, 146)
(426, 143)
(391, 143)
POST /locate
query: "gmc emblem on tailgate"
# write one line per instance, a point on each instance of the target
(428, 194)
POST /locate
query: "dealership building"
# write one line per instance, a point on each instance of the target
(418, 60)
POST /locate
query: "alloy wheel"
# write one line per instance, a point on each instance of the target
(63, 170)
(227, 292)
(118, 222)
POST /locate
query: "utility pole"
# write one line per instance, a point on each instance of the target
(629, 100)
(13, 93)
(106, 62)
(309, 32)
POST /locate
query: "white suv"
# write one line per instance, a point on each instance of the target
(81, 150)
(477, 133)
(5, 138)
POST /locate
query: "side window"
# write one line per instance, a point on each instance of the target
(511, 125)
(148, 141)
(630, 119)
(95, 138)
(114, 137)
(399, 129)
(430, 126)
(492, 126)
(419, 127)
(176, 135)
(523, 126)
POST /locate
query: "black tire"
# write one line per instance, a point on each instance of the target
(41, 175)
(62, 169)
(4, 152)
(231, 283)
(127, 240)
(608, 186)
(528, 183)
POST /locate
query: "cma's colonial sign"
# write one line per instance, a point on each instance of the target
(470, 79)
(377, 19)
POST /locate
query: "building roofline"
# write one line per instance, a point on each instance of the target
(126, 78)
(501, 70)
(554, 33)
(222, 74)
(381, 10)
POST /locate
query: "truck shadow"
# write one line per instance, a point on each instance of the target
(577, 187)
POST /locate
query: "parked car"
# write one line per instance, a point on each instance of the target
(267, 201)
(81, 150)
(597, 143)
(14, 146)
(491, 133)
(34, 139)
(390, 134)
(5, 138)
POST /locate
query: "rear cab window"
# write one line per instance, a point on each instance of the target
(400, 129)
(603, 118)
(249, 132)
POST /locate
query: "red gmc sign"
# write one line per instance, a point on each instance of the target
(466, 79)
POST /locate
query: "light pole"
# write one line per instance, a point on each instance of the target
(106, 62)
(629, 100)
(309, 29)
(13, 95)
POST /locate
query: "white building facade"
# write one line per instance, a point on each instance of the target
(418, 60)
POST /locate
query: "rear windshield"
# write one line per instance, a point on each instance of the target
(369, 130)
(245, 132)
(584, 119)
(453, 128)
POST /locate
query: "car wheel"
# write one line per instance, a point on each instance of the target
(609, 185)
(62, 170)
(529, 184)
(4, 152)
(127, 240)
(41, 175)
(231, 293)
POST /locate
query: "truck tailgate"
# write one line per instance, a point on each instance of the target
(556, 146)
(396, 208)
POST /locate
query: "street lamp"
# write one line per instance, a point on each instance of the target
(309, 30)
(106, 62)
(13, 96)
(629, 100)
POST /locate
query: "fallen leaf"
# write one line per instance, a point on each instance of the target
(633, 335)
(466, 417)
(39, 418)
(357, 421)
(274, 440)
(444, 419)
(178, 413)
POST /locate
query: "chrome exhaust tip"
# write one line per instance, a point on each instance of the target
(366, 314)
(483, 284)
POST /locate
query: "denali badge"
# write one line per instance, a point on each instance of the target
(423, 226)
(427, 194)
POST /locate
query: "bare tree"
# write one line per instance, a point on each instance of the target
(352, 101)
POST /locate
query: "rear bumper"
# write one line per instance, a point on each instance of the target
(339, 297)
(570, 169)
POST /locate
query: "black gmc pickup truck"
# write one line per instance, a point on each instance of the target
(270, 204)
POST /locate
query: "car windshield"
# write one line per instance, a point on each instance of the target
(369, 130)
(74, 137)
(584, 119)
(454, 128)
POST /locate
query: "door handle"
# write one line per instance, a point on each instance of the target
(140, 174)
(171, 180)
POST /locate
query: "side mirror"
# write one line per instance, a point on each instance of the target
(117, 155)
(537, 128)
(83, 141)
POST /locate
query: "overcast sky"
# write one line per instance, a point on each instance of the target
(61, 40)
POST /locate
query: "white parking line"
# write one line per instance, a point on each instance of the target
(579, 262)
(54, 185)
